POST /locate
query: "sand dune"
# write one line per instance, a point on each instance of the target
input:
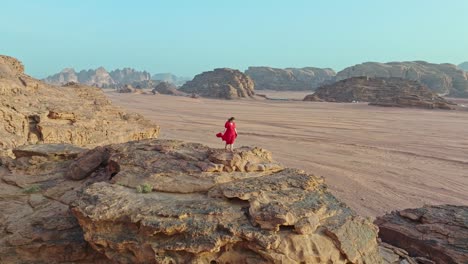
(374, 159)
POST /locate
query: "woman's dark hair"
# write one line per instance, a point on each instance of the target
(231, 119)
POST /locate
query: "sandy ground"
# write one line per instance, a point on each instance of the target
(374, 159)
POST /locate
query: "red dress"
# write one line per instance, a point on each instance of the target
(230, 135)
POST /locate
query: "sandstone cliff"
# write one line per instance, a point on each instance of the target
(437, 233)
(34, 112)
(380, 91)
(299, 79)
(444, 79)
(221, 83)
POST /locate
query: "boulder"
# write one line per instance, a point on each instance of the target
(87, 163)
(294, 79)
(33, 112)
(380, 91)
(167, 88)
(221, 83)
(443, 79)
(437, 233)
(207, 207)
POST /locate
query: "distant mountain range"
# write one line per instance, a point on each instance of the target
(100, 77)
(444, 78)
(464, 66)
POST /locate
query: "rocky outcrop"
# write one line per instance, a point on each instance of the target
(221, 83)
(67, 75)
(167, 88)
(295, 79)
(129, 75)
(34, 112)
(99, 77)
(438, 233)
(213, 206)
(36, 224)
(463, 66)
(380, 91)
(444, 79)
(170, 78)
(126, 89)
(10, 67)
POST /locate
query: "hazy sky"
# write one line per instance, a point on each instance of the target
(189, 37)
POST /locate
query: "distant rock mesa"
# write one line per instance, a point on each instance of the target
(380, 91)
(444, 79)
(294, 79)
(223, 83)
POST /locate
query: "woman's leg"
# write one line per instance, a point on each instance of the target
(232, 147)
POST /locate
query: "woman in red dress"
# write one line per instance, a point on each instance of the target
(230, 133)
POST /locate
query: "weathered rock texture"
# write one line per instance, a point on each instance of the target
(36, 225)
(99, 77)
(394, 255)
(298, 79)
(167, 88)
(34, 112)
(380, 91)
(444, 79)
(438, 233)
(221, 83)
(212, 206)
(464, 66)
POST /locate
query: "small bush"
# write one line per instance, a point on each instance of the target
(32, 189)
(144, 188)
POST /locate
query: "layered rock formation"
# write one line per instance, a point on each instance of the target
(34, 112)
(444, 79)
(298, 79)
(212, 206)
(36, 225)
(167, 88)
(99, 77)
(463, 66)
(380, 91)
(437, 233)
(221, 83)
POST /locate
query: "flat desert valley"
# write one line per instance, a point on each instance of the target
(374, 159)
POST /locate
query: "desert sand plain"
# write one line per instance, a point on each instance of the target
(374, 159)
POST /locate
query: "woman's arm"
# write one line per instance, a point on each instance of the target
(236, 131)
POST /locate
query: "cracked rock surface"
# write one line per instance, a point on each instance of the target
(36, 224)
(210, 205)
(438, 233)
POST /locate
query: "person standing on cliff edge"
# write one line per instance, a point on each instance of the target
(230, 134)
